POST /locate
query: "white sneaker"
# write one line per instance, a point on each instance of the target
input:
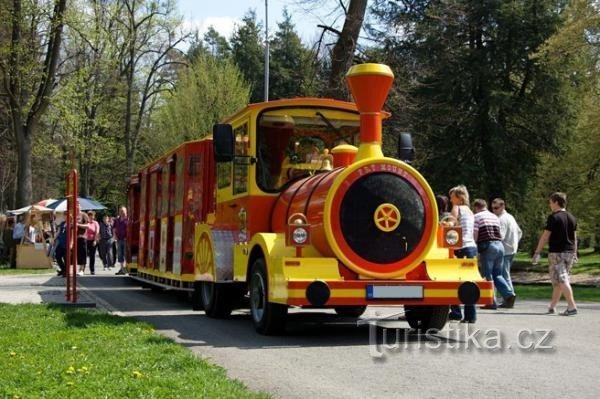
(80, 273)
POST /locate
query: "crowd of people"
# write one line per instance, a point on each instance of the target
(493, 238)
(107, 237)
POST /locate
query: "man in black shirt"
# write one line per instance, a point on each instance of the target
(560, 233)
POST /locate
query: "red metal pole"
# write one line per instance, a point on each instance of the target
(68, 224)
(75, 219)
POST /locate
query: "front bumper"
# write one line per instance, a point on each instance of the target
(385, 292)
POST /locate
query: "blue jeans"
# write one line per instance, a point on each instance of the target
(491, 259)
(470, 312)
(121, 251)
(506, 264)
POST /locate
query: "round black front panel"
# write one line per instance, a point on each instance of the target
(358, 224)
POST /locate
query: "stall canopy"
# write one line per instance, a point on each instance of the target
(85, 204)
(46, 202)
(30, 208)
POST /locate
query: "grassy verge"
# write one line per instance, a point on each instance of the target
(5, 270)
(544, 291)
(49, 352)
(587, 263)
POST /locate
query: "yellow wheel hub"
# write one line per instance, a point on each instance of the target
(387, 217)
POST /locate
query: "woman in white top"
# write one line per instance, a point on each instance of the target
(459, 197)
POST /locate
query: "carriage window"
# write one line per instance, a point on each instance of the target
(295, 142)
(179, 184)
(195, 165)
(241, 160)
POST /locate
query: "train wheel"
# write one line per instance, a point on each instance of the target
(215, 299)
(350, 311)
(269, 318)
(426, 318)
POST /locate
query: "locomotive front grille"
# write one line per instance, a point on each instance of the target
(382, 218)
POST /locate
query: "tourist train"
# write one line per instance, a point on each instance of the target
(291, 203)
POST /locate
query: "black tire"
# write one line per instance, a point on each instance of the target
(426, 318)
(350, 311)
(196, 297)
(216, 300)
(269, 318)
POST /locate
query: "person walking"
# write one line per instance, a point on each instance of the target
(82, 225)
(511, 235)
(105, 243)
(91, 240)
(120, 235)
(459, 198)
(561, 235)
(486, 232)
(60, 249)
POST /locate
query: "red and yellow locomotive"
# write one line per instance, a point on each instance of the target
(292, 203)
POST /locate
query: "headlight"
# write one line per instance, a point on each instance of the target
(452, 237)
(299, 235)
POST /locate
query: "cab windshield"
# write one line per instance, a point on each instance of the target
(295, 142)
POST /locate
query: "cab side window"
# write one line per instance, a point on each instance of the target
(241, 161)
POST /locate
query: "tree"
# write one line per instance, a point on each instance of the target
(149, 53)
(84, 110)
(342, 56)
(28, 67)
(216, 44)
(481, 106)
(248, 54)
(572, 54)
(207, 91)
(291, 71)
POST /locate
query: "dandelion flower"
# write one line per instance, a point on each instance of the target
(13, 353)
(70, 370)
(136, 374)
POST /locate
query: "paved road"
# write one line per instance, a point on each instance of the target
(324, 356)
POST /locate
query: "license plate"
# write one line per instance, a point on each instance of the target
(394, 292)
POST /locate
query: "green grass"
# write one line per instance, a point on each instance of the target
(588, 263)
(5, 270)
(544, 291)
(52, 352)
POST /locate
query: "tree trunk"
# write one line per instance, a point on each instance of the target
(24, 181)
(26, 109)
(343, 51)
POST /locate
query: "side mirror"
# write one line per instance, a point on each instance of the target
(406, 150)
(223, 142)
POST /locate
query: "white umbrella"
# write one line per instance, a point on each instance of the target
(29, 208)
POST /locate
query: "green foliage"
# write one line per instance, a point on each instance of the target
(61, 353)
(480, 107)
(573, 55)
(248, 54)
(208, 91)
(216, 44)
(291, 67)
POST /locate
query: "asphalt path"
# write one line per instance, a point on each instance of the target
(520, 352)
